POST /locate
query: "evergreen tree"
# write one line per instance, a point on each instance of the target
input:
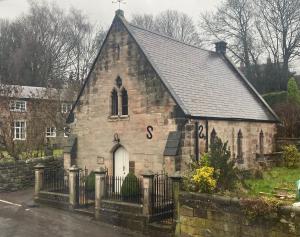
(293, 91)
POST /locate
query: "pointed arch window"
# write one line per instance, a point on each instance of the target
(213, 136)
(240, 147)
(124, 102)
(261, 143)
(114, 102)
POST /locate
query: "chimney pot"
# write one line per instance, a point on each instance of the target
(221, 47)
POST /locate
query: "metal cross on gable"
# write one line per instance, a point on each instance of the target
(119, 2)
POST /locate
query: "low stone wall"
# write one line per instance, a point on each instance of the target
(123, 214)
(19, 175)
(280, 142)
(215, 216)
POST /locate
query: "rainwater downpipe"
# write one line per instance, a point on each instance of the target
(197, 141)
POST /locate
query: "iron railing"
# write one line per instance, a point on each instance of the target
(162, 199)
(56, 180)
(124, 189)
(86, 188)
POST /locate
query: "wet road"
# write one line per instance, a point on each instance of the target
(19, 219)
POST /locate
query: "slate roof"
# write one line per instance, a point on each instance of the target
(204, 83)
(31, 92)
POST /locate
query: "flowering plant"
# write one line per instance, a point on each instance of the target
(204, 180)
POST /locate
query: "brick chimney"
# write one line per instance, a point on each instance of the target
(221, 47)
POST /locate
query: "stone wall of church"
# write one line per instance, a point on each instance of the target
(228, 131)
(149, 105)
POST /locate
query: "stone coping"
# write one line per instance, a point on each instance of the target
(287, 139)
(54, 193)
(32, 160)
(230, 201)
(120, 203)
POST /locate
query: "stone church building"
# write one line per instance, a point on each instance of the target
(153, 103)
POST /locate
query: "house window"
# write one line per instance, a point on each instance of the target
(240, 147)
(124, 102)
(114, 102)
(18, 106)
(19, 130)
(66, 131)
(66, 108)
(261, 143)
(51, 132)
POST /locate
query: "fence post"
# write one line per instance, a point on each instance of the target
(39, 176)
(73, 186)
(176, 180)
(148, 189)
(99, 189)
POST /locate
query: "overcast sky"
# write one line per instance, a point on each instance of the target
(102, 11)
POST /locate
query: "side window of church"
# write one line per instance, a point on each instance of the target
(240, 147)
(114, 102)
(261, 143)
(213, 136)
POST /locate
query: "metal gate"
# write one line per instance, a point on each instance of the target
(86, 188)
(162, 199)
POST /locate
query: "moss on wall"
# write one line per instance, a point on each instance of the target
(215, 216)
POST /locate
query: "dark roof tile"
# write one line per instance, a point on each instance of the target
(202, 81)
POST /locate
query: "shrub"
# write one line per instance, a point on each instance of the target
(262, 208)
(90, 182)
(205, 160)
(293, 91)
(204, 180)
(291, 156)
(225, 172)
(130, 187)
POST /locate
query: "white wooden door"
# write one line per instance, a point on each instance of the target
(121, 166)
(121, 162)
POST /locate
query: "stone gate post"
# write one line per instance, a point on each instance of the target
(99, 189)
(39, 176)
(148, 189)
(73, 186)
(176, 180)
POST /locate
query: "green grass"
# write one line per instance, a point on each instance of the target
(279, 177)
(58, 152)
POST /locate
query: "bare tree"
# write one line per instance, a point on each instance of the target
(145, 21)
(278, 22)
(234, 22)
(171, 23)
(47, 47)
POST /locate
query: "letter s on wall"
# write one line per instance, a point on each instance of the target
(149, 132)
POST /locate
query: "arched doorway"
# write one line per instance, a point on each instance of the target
(121, 162)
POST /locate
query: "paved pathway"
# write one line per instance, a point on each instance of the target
(18, 218)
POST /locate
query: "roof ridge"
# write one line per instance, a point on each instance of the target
(168, 37)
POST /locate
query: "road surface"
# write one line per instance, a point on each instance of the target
(19, 218)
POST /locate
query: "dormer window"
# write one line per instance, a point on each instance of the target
(114, 102)
(18, 106)
(124, 102)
